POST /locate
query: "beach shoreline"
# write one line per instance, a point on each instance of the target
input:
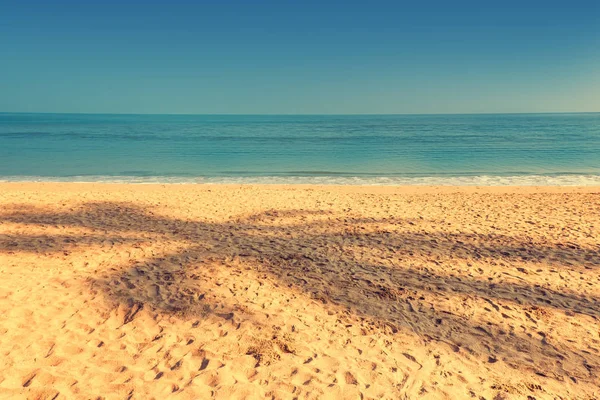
(380, 189)
(281, 291)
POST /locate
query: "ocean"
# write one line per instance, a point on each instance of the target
(493, 149)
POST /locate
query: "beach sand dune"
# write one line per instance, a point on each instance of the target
(232, 292)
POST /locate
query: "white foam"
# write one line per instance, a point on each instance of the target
(482, 180)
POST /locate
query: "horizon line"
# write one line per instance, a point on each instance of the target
(302, 114)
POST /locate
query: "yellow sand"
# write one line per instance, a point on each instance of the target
(150, 291)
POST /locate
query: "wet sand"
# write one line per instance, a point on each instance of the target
(200, 291)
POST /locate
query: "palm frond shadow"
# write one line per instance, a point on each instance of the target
(360, 270)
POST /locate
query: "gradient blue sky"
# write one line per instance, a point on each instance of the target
(299, 56)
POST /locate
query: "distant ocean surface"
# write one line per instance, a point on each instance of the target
(494, 149)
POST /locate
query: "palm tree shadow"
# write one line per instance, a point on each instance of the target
(321, 260)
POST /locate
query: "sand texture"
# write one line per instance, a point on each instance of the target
(232, 292)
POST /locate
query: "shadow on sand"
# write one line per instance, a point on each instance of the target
(370, 272)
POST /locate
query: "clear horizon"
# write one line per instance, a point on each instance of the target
(305, 114)
(280, 58)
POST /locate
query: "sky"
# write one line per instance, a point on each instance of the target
(299, 57)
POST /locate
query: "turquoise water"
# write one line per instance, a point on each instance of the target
(561, 149)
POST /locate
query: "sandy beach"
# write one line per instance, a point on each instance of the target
(242, 292)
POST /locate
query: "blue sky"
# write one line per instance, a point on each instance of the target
(292, 57)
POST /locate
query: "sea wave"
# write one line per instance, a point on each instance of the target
(480, 180)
